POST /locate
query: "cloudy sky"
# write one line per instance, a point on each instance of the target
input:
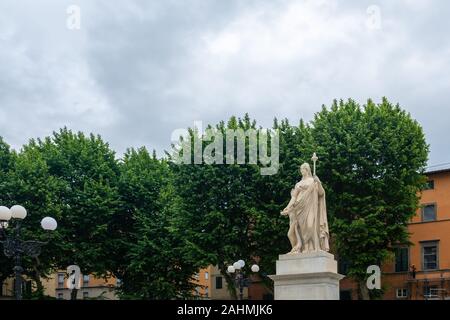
(134, 71)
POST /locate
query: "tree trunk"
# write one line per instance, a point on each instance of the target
(39, 287)
(363, 290)
(37, 279)
(231, 286)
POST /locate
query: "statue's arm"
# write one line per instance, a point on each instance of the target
(293, 197)
(294, 193)
(320, 190)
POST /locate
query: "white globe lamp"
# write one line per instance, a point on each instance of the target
(230, 269)
(18, 212)
(48, 223)
(5, 213)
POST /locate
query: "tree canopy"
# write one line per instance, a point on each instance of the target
(152, 223)
(372, 160)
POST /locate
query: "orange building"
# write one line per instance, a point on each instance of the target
(422, 270)
(90, 287)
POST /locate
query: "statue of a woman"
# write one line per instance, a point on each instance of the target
(308, 230)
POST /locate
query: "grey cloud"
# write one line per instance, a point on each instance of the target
(137, 70)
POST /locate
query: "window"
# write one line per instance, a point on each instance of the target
(60, 296)
(218, 282)
(197, 291)
(60, 280)
(402, 293)
(430, 257)
(429, 185)
(85, 294)
(430, 291)
(206, 292)
(401, 259)
(85, 279)
(206, 275)
(429, 212)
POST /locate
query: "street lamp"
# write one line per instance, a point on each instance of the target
(14, 247)
(236, 269)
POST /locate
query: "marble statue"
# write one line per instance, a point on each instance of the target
(308, 227)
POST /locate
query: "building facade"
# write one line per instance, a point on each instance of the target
(90, 287)
(55, 286)
(212, 285)
(7, 289)
(420, 271)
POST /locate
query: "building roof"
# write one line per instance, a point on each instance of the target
(443, 167)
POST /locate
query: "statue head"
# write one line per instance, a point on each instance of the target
(305, 170)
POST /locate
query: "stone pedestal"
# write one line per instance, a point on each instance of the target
(306, 276)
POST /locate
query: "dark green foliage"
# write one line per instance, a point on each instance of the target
(233, 212)
(153, 223)
(371, 161)
(156, 261)
(83, 173)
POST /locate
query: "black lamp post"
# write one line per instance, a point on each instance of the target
(16, 248)
(239, 276)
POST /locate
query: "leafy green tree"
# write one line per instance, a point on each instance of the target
(273, 194)
(73, 178)
(227, 212)
(153, 223)
(31, 186)
(26, 181)
(113, 218)
(157, 263)
(371, 160)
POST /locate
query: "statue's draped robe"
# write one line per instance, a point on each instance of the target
(311, 215)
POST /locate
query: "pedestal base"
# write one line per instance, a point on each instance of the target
(306, 276)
